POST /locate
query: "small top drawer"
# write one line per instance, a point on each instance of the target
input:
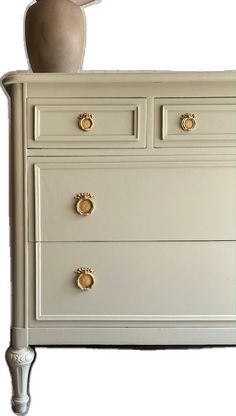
(195, 122)
(87, 123)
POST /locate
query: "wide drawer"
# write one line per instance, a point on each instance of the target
(195, 122)
(137, 281)
(87, 123)
(139, 200)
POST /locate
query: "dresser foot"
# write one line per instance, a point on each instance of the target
(19, 362)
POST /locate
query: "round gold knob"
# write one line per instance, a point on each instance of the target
(86, 122)
(188, 122)
(85, 278)
(85, 204)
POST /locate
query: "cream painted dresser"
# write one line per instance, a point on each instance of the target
(122, 207)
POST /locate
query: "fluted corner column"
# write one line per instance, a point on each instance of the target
(19, 362)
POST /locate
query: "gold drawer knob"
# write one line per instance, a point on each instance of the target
(85, 278)
(85, 204)
(86, 121)
(188, 122)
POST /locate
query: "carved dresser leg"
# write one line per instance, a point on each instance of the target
(20, 361)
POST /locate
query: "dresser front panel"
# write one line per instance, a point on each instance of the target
(215, 120)
(117, 123)
(162, 237)
(148, 281)
(145, 200)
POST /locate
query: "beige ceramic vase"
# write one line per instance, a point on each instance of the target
(55, 35)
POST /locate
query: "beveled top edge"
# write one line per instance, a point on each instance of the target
(120, 76)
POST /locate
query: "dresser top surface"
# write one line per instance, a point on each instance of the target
(119, 77)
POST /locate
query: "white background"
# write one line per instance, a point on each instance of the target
(124, 34)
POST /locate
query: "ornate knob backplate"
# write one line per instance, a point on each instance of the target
(85, 204)
(86, 121)
(188, 122)
(85, 278)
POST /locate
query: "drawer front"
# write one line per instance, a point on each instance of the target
(87, 123)
(133, 201)
(195, 122)
(172, 281)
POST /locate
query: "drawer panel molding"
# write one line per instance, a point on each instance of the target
(146, 200)
(203, 271)
(87, 123)
(211, 122)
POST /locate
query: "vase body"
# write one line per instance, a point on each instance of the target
(55, 36)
